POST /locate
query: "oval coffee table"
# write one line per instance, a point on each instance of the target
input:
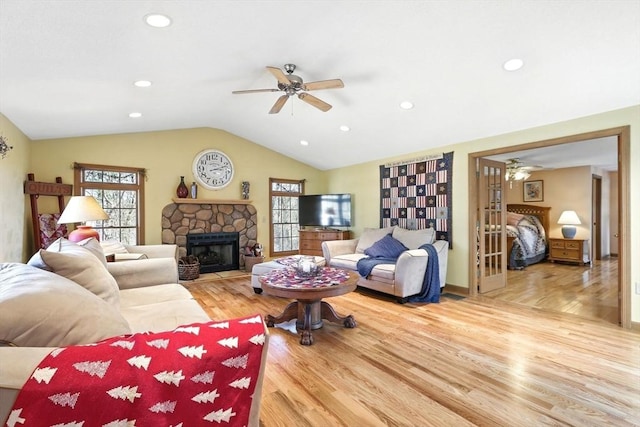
(309, 309)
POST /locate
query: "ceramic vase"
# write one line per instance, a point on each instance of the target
(182, 190)
(194, 190)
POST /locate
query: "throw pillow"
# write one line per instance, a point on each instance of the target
(370, 236)
(93, 246)
(43, 309)
(387, 247)
(413, 239)
(113, 247)
(80, 265)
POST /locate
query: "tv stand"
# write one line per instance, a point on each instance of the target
(311, 240)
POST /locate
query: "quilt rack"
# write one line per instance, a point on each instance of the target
(45, 226)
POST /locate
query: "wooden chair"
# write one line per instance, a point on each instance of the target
(45, 225)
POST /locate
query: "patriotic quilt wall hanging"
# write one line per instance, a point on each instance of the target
(416, 194)
(196, 375)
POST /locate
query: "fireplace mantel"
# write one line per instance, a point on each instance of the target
(210, 201)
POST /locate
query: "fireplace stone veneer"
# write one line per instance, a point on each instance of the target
(180, 219)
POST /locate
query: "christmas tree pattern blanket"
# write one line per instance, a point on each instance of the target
(196, 375)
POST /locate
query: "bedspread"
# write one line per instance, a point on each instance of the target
(530, 244)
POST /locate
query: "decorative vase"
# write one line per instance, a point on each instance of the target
(194, 190)
(182, 190)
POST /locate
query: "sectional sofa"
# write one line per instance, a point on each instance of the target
(69, 298)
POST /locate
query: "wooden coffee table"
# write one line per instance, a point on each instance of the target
(309, 309)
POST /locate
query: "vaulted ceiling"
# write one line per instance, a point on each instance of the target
(67, 69)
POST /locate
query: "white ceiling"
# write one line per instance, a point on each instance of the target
(601, 153)
(67, 68)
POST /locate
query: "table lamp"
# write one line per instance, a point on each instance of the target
(82, 209)
(569, 219)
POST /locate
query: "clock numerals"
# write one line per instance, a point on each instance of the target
(213, 169)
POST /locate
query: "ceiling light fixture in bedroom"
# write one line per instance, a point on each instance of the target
(515, 171)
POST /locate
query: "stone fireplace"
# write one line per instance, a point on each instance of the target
(192, 216)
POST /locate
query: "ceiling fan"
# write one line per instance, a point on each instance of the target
(516, 171)
(291, 85)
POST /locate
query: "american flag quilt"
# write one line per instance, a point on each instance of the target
(416, 194)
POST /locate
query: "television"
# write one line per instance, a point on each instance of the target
(324, 210)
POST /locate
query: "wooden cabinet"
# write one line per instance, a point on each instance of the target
(569, 250)
(311, 240)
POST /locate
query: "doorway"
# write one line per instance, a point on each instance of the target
(622, 135)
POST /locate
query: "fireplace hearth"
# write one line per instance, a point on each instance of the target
(215, 251)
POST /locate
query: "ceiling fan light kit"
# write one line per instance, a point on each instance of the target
(291, 85)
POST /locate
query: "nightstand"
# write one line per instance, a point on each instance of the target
(569, 250)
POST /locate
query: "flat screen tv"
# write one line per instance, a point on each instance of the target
(324, 210)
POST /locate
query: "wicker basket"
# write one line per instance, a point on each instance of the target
(188, 271)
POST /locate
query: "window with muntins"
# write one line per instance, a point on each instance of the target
(120, 192)
(284, 215)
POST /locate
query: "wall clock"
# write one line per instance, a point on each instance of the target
(213, 169)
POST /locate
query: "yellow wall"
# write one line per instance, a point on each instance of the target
(168, 155)
(563, 189)
(13, 172)
(363, 181)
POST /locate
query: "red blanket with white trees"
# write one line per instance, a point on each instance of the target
(196, 375)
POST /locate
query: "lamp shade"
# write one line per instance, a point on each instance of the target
(569, 219)
(82, 209)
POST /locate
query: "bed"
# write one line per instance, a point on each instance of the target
(527, 228)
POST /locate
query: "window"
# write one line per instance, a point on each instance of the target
(120, 192)
(284, 194)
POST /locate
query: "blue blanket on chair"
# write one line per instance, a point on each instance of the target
(430, 291)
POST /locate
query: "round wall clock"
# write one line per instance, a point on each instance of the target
(212, 169)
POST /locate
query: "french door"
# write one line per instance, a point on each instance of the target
(491, 226)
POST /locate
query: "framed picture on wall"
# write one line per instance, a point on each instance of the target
(533, 191)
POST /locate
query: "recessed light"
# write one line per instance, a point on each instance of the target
(135, 115)
(406, 105)
(157, 20)
(345, 128)
(513, 64)
(303, 142)
(142, 83)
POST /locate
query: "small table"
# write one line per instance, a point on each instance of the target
(309, 309)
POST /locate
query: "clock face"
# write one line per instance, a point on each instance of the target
(213, 169)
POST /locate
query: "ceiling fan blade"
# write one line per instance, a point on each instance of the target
(323, 84)
(279, 104)
(312, 100)
(255, 91)
(278, 74)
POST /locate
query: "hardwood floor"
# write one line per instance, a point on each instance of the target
(589, 291)
(476, 361)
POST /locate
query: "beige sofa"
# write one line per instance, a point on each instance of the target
(42, 310)
(402, 279)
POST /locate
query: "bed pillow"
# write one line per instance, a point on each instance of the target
(387, 247)
(80, 265)
(370, 236)
(43, 309)
(514, 218)
(413, 239)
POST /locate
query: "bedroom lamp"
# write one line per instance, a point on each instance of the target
(82, 209)
(569, 219)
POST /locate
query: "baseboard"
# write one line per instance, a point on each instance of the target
(458, 290)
